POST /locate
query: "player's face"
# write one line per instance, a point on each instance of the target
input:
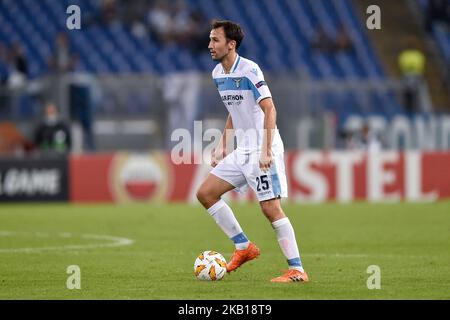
(218, 46)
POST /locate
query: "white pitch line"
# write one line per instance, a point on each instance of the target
(115, 242)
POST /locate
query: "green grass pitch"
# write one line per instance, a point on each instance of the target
(338, 242)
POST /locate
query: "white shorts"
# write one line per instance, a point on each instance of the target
(242, 170)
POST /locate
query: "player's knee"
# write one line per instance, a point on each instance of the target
(204, 196)
(272, 210)
(200, 194)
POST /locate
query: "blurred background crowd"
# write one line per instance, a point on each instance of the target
(139, 69)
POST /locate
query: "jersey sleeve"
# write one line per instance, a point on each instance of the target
(257, 83)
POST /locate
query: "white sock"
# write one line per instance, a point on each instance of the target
(224, 217)
(286, 239)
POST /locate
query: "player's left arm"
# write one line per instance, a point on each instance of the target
(270, 122)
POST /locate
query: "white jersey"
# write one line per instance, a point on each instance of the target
(241, 90)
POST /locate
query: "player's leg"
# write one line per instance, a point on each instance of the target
(225, 177)
(209, 194)
(270, 187)
(286, 239)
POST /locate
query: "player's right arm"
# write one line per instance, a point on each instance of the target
(220, 151)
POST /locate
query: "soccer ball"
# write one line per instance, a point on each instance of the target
(210, 266)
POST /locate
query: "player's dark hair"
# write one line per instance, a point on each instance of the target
(233, 31)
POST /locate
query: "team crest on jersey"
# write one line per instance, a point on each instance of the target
(237, 81)
(255, 71)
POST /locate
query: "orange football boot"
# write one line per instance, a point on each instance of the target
(292, 275)
(242, 256)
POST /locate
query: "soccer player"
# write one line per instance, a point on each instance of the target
(257, 161)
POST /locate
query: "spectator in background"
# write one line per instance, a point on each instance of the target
(322, 41)
(369, 140)
(80, 106)
(15, 79)
(363, 140)
(81, 97)
(52, 135)
(180, 21)
(343, 40)
(109, 12)
(63, 59)
(188, 31)
(61, 63)
(18, 67)
(19, 59)
(196, 31)
(160, 22)
(134, 15)
(411, 62)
